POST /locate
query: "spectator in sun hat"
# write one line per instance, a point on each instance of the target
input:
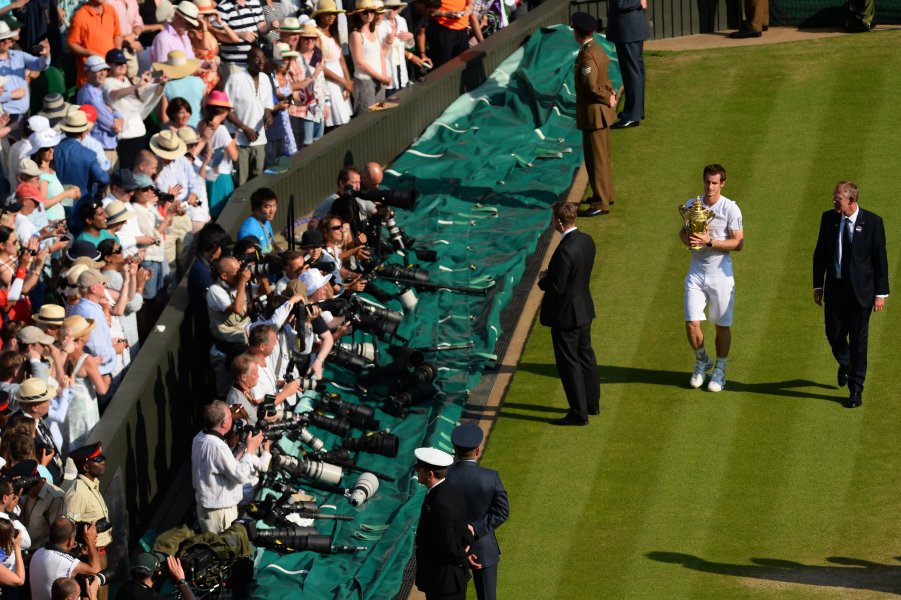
(174, 35)
(220, 152)
(280, 139)
(31, 218)
(44, 145)
(16, 96)
(75, 164)
(109, 122)
(182, 83)
(122, 188)
(176, 170)
(92, 284)
(50, 318)
(34, 399)
(94, 31)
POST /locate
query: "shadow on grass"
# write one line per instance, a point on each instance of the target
(790, 388)
(850, 573)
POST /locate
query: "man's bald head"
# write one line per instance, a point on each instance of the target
(372, 176)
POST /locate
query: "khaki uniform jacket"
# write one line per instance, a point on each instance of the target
(42, 510)
(85, 504)
(593, 89)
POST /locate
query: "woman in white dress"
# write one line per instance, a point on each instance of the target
(371, 75)
(337, 77)
(87, 382)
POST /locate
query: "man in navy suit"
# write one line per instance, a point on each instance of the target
(568, 310)
(627, 27)
(442, 537)
(487, 506)
(850, 255)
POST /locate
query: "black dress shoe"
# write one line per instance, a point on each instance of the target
(594, 412)
(842, 376)
(593, 212)
(858, 27)
(625, 124)
(570, 420)
(743, 34)
(854, 400)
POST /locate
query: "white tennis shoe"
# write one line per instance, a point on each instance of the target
(717, 381)
(700, 373)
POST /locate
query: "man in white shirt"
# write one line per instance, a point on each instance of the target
(217, 474)
(55, 561)
(709, 281)
(251, 95)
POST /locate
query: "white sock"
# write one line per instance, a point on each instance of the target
(721, 363)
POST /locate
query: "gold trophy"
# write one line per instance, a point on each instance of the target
(696, 218)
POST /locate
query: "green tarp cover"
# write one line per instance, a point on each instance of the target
(487, 171)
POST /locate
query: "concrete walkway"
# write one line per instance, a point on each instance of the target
(775, 35)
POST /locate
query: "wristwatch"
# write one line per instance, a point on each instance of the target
(710, 243)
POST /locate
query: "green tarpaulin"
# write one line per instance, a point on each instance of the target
(487, 171)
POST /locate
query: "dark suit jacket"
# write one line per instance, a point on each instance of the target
(626, 21)
(441, 541)
(77, 165)
(593, 89)
(487, 506)
(869, 264)
(567, 300)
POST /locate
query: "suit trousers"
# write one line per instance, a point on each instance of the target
(847, 329)
(578, 369)
(631, 65)
(596, 145)
(485, 580)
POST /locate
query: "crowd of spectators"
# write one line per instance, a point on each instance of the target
(124, 129)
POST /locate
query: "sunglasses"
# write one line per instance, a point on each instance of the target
(98, 459)
(117, 250)
(336, 227)
(147, 189)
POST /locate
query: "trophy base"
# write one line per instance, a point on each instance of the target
(696, 248)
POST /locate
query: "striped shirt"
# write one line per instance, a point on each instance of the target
(240, 17)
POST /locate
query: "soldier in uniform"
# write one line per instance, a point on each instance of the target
(595, 113)
(84, 503)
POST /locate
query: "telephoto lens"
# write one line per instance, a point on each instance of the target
(339, 427)
(358, 415)
(310, 440)
(378, 442)
(365, 488)
(321, 471)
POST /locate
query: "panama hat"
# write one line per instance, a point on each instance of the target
(326, 7)
(364, 5)
(395, 3)
(290, 25)
(33, 391)
(6, 32)
(188, 135)
(51, 314)
(55, 108)
(167, 144)
(218, 98)
(177, 66)
(281, 52)
(164, 11)
(189, 12)
(309, 30)
(116, 212)
(79, 325)
(76, 122)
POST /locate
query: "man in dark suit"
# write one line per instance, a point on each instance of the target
(850, 255)
(756, 21)
(628, 29)
(443, 537)
(487, 506)
(595, 112)
(568, 310)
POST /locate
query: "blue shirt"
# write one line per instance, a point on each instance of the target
(100, 340)
(76, 165)
(14, 67)
(103, 128)
(263, 232)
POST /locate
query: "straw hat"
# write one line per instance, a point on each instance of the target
(29, 167)
(76, 122)
(188, 135)
(55, 108)
(189, 12)
(309, 30)
(364, 5)
(33, 390)
(205, 7)
(167, 144)
(177, 66)
(218, 98)
(75, 272)
(395, 4)
(326, 7)
(79, 325)
(51, 314)
(116, 212)
(281, 52)
(164, 11)
(290, 25)
(6, 32)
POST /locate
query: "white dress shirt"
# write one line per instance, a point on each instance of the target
(218, 477)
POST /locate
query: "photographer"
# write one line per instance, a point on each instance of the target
(349, 181)
(85, 504)
(143, 571)
(313, 244)
(299, 334)
(245, 376)
(210, 240)
(56, 560)
(263, 347)
(218, 475)
(227, 305)
(10, 489)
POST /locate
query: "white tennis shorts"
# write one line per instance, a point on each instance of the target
(717, 292)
